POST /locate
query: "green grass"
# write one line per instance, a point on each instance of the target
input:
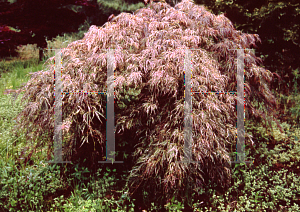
(18, 73)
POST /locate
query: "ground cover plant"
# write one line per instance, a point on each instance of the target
(251, 187)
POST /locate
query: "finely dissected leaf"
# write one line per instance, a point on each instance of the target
(149, 54)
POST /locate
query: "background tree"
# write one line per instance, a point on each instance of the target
(277, 23)
(33, 21)
(149, 97)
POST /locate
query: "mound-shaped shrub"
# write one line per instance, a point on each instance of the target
(149, 50)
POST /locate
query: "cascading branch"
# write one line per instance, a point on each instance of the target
(149, 94)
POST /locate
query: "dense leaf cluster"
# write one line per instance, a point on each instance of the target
(150, 49)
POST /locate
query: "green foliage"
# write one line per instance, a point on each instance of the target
(286, 147)
(126, 97)
(26, 189)
(295, 110)
(174, 205)
(261, 186)
(104, 183)
(258, 190)
(118, 6)
(100, 193)
(290, 110)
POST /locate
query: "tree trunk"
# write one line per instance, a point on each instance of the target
(41, 54)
